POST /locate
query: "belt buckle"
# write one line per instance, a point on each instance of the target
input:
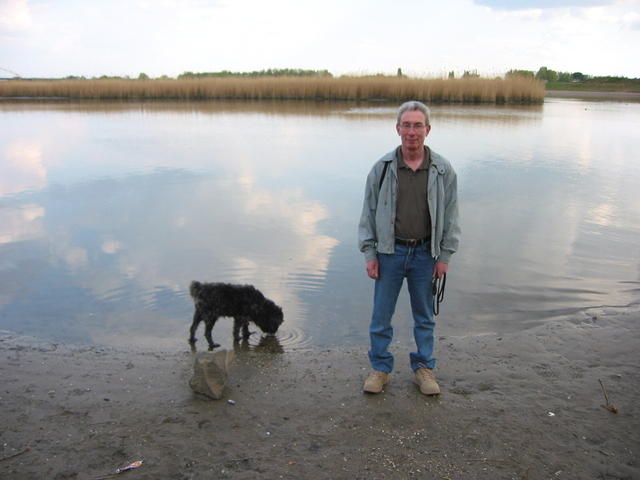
(410, 242)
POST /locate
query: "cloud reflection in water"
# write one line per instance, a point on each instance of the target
(132, 243)
(109, 210)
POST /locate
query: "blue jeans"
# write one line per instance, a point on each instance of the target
(415, 263)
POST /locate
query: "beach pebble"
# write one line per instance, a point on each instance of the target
(210, 371)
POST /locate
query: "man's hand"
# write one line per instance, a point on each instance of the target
(372, 269)
(440, 269)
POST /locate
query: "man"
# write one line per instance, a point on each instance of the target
(408, 228)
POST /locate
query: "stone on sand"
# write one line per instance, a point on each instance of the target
(210, 370)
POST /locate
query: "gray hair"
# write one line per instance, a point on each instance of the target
(414, 105)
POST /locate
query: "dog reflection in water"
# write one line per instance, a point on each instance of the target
(242, 302)
(266, 344)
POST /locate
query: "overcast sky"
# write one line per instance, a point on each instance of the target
(56, 38)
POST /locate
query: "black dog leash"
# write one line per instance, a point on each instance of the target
(437, 290)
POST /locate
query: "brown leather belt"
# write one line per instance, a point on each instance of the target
(411, 242)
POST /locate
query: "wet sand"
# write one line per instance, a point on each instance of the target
(518, 406)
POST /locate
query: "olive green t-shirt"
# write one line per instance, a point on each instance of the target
(412, 209)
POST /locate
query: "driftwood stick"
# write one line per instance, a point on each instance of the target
(15, 454)
(604, 391)
(608, 406)
(500, 460)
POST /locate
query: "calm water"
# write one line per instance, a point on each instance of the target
(108, 211)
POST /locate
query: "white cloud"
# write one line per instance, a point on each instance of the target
(14, 16)
(19, 224)
(540, 4)
(22, 168)
(111, 246)
(73, 37)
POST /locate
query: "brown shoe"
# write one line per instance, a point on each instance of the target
(375, 381)
(426, 380)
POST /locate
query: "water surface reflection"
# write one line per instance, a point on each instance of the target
(109, 210)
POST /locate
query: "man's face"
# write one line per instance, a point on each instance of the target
(412, 129)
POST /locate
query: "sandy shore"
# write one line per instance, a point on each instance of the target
(518, 406)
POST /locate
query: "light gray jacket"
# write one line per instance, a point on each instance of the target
(376, 228)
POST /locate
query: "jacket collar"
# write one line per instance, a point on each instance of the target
(436, 161)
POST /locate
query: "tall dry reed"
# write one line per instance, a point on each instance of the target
(467, 90)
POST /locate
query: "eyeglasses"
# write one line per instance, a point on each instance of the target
(409, 126)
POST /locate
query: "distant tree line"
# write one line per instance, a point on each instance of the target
(553, 79)
(466, 74)
(548, 75)
(578, 80)
(271, 72)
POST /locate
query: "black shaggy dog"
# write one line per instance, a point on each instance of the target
(242, 302)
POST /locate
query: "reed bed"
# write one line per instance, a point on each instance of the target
(465, 90)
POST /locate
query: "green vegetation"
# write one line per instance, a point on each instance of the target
(517, 86)
(470, 74)
(520, 73)
(598, 84)
(271, 72)
(578, 81)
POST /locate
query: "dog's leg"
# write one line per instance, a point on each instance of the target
(241, 322)
(237, 323)
(245, 329)
(197, 318)
(209, 323)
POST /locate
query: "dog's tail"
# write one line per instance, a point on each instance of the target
(195, 288)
